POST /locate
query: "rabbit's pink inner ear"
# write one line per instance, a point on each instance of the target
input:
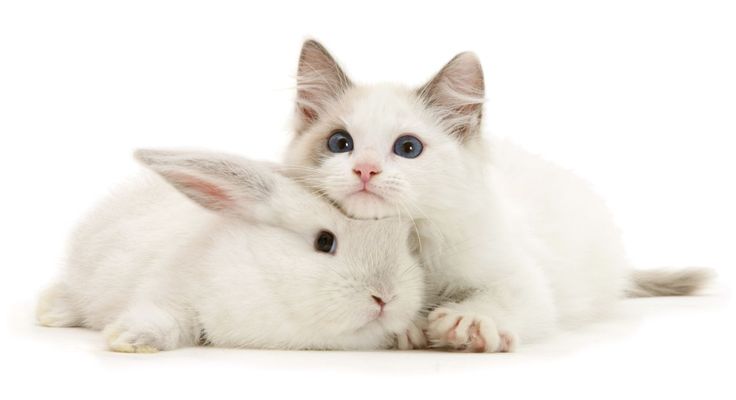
(206, 193)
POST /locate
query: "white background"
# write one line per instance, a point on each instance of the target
(637, 96)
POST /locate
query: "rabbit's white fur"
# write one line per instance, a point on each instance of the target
(514, 246)
(155, 270)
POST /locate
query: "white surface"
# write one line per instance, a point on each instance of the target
(637, 96)
(655, 348)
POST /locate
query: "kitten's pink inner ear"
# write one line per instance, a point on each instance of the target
(308, 114)
(206, 193)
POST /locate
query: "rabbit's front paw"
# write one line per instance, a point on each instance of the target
(469, 332)
(129, 341)
(142, 333)
(413, 337)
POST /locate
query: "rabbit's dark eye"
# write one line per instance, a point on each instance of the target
(340, 142)
(325, 242)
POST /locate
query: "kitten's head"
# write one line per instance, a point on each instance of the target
(385, 149)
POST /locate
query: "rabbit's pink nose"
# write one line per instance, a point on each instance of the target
(366, 171)
(379, 301)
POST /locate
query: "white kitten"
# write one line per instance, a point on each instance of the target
(515, 246)
(224, 250)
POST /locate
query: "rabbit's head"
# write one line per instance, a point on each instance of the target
(337, 282)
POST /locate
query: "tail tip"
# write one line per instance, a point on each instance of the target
(666, 282)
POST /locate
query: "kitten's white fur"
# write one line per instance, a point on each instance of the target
(515, 246)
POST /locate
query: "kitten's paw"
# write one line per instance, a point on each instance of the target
(462, 331)
(142, 333)
(413, 337)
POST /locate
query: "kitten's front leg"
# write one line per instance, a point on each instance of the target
(454, 328)
(514, 304)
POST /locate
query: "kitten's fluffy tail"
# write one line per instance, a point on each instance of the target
(668, 282)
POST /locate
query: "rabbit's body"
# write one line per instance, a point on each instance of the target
(157, 271)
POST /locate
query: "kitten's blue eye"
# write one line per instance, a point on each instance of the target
(408, 147)
(340, 142)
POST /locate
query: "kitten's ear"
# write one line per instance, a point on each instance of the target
(320, 80)
(456, 94)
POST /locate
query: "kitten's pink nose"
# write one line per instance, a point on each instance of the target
(366, 171)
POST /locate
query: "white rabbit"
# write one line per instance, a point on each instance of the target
(253, 261)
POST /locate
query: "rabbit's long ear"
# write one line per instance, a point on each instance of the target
(219, 182)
